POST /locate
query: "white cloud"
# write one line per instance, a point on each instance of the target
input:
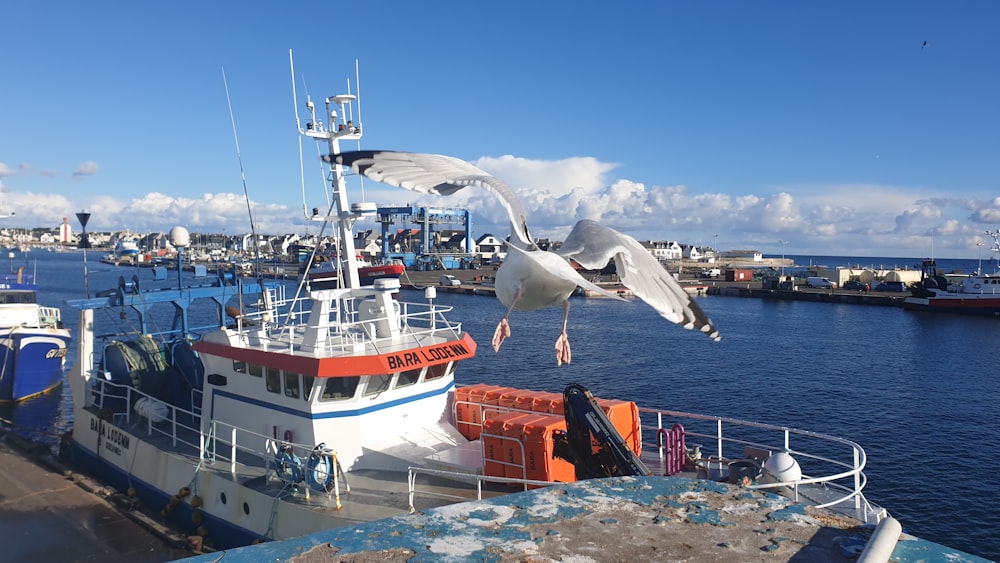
(856, 219)
(88, 168)
(5, 170)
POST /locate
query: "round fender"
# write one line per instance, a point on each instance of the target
(288, 466)
(319, 469)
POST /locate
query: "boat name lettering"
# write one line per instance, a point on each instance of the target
(114, 439)
(427, 355)
(408, 359)
(446, 352)
(56, 353)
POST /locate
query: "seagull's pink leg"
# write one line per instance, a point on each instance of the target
(562, 343)
(503, 329)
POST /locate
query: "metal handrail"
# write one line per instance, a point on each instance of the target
(855, 467)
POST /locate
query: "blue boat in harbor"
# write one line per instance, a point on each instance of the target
(33, 342)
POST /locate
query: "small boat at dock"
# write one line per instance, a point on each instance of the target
(978, 294)
(33, 342)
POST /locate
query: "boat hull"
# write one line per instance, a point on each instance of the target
(960, 304)
(31, 361)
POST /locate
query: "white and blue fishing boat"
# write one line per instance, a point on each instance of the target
(284, 415)
(127, 248)
(33, 342)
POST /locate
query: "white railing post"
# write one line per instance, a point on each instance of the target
(857, 482)
(659, 426)
(718, 435)
(232, 443)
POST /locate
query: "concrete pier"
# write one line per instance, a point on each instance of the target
(49, 514)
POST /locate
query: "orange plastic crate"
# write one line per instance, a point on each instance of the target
(495, 444)
(539, 444)
(624, 416)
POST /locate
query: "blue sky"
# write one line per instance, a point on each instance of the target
(829, 125)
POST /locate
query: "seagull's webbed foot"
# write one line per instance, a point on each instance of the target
(500, 334)
(563, 353)
(562, 350)
(503, 329)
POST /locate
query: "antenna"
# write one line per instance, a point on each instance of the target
(246, 192)
(357, 79)
(295, 102)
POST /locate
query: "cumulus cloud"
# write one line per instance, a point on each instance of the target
(848, 219)
(5, 170)
(88, 168)
(855, 220)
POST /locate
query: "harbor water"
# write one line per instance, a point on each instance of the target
(917, 391)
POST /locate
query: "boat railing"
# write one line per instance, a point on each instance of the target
(129, 405)
(476, 479)
(832, 468)
(223, 442)
(346, 329)
(48, 316)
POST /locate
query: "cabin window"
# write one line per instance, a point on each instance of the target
(377, 384)
(239, 366)
(339, 388)
(292, 385)
(307, 386)
(436, 371)
(256, 370)
(408, 377)
(273, 380)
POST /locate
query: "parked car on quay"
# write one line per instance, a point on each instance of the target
(824, 283)
(896, 286)
(856, 285)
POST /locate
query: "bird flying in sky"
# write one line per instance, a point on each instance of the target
(530, 278)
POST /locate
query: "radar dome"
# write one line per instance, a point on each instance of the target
(782, 468)
(179, 236)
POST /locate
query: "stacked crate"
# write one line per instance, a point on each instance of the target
(517, 427)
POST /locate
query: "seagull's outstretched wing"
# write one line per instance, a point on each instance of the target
(433, 174)
(593, 245)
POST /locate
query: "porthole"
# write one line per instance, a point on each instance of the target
(246, 508)
(222, 497)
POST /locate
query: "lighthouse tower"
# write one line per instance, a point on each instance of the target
(65, 231)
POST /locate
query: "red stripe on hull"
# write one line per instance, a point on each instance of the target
(344, 366)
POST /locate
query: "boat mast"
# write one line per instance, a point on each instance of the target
(334, 130)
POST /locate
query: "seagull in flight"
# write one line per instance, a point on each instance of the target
(530, 278)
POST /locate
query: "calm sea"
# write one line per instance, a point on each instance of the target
(918, 392)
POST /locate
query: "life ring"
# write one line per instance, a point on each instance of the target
(320, 468)
(288, 466)
(976, 286)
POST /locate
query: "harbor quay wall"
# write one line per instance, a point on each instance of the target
(479, 282)
(815, 295)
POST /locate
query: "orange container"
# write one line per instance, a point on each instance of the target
(549, 403)
(508, 399)
(468, 408)
(494, 444)
(525, 400)
(538, 447)
(514, 446)
(624, 416)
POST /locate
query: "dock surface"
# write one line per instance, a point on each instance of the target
(46, 515)
(611, 519)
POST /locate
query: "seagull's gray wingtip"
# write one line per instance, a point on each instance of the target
(711, 333)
